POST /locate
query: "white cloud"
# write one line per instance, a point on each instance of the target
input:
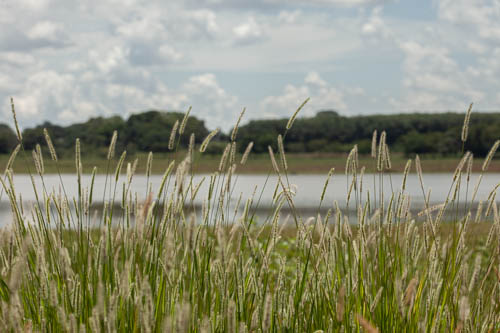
(477, 47)
(46, 30)
(375, 26)
(433, 57)
(289, 17)
(109, 58)
(481, 15)
(170, 54)
(43, 93)
(212, 102)
(145, 27)
(313, 78)
(33, 4)
(205, 20)
(66, 98)
(262, 4)
(322, 96)
(17, 58)
(203, 92)
(248, 32)
(433, 80)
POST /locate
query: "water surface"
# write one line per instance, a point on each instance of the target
(307, 188)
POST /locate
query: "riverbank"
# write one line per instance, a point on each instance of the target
(312, 163)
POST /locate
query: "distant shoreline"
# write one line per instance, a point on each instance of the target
(303, 163)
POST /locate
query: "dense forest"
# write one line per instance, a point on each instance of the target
(437, 134)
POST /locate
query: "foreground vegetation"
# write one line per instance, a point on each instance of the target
(152, 264)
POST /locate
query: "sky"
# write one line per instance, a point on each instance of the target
(66, 61)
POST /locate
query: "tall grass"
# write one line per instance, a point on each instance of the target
(154, 264)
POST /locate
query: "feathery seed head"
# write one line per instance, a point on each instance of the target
(292, 119)
(458, 170)
(223, 159)
(469, 166)
(50, 145)
(381, 152)
(171, 141)
(388, 164)
(192, 138)
(184, 121)
(18, 132)
(12, 157)
(273, 159)
(207, 140)
(149, 164)
(40, 157)
(367, 326)
(266, 316)
(490, 155)
(38, 166)
(465, 128)
(418, 166)
(410, 291)
(340, 308)
(374, 144)
(246, 153)
(78, 156)
(119, 165)
(112, 145)
(282, 152)
(405, 174)
(235, 129)
(464, 309)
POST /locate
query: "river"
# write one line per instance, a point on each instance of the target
(308, 189)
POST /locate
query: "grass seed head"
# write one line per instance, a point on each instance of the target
(40, 158)
(465, 128)
(12, 158)
(207, 140)
(192, 138)
(388, 164)
(490, 155)
(149, 164)
(405, 174)
(173, 133)
(282, 152)
(292, 119)
(18, 132)
(244, 158)
(184, 121)
(112, 145)
(374, 144)
(50, 145)
(224, 157)
(340, 308)
(78, 156)
(38, 166)
(381, 152)
(410, 292)
(273, 159)
(470, 163)
(235, 129)
(366, 325)
(266, 316)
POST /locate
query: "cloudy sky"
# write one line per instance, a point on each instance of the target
(66, 60)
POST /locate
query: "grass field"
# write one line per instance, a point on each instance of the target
(312, 163)
(161, 268)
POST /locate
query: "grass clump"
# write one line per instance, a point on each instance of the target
(149, 262)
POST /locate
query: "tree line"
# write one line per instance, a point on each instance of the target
(327, 131)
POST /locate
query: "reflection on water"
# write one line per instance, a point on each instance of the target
(308, 190)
